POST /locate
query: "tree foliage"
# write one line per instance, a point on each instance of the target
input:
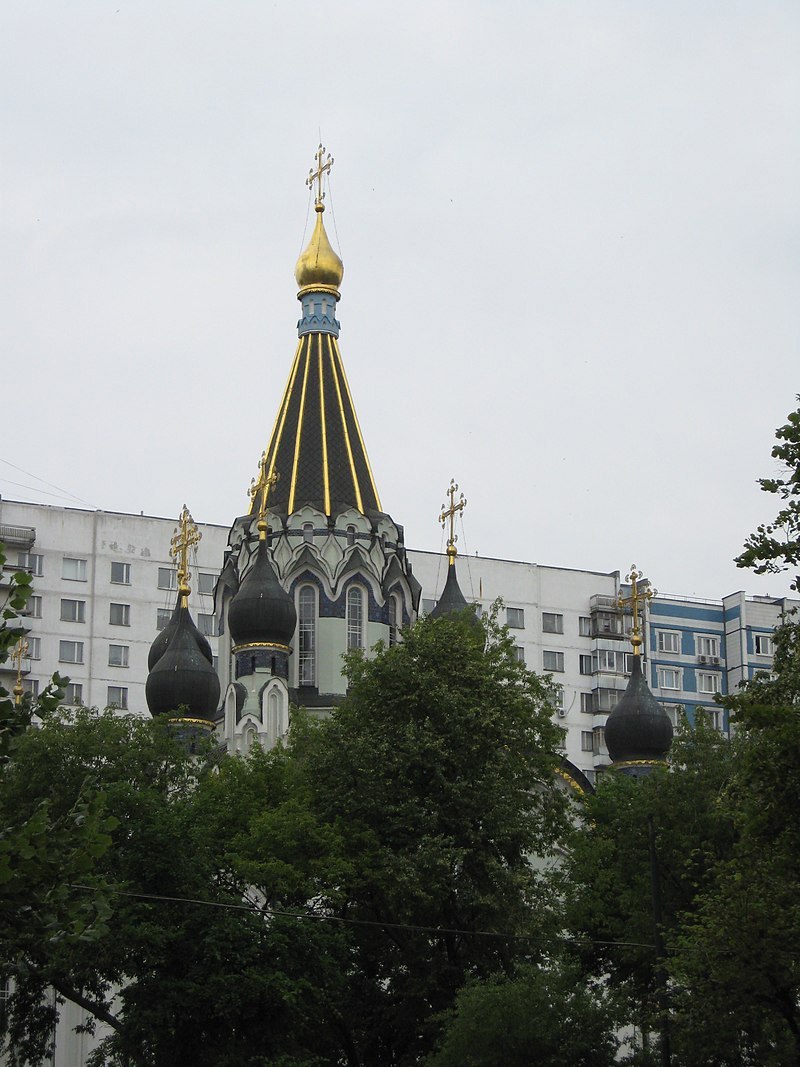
(322, 903)
(775, 546)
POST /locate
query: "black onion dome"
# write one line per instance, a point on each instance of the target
(180, 617)
(262, 612)
(183, 677)
(452, 601)
(638, 728)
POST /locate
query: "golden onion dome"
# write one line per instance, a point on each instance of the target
(319, 265)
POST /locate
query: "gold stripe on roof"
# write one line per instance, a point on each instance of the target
(274, 441)
(299, 433)
(358, 428)
(325, 481)
(345, 431)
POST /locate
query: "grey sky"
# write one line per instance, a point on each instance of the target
(570, 234)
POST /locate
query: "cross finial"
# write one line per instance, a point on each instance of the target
(449, 513)
(317, 175)
(17, 656)
(262, 485)
(637, 595)
(186, 535)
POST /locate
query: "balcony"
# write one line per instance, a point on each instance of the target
(18, 536)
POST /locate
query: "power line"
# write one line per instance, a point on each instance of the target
(414, 927)
(66, 495)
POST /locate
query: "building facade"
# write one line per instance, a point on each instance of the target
(105, 584)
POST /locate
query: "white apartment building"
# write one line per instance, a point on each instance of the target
(104, 585)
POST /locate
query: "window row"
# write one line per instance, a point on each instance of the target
(671, 678)
(206, 623)
(74, 569)
(116, 695)
(673, 642)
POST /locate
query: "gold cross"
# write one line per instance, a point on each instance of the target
(185, 536)
(17, 656)
(318, 174)
(633, 600)
(449, 513)
(262, 485)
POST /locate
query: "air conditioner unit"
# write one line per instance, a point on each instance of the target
(715, 659)
(702, 659)
(562, 713)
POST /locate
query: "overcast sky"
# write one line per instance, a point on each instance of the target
(571, 245)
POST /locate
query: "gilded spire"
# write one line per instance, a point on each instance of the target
(186, 535)
(260, 487)
(448, 514)
(637, 595)
(17, 656)
(319, 268)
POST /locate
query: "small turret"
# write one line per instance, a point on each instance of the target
(452, 601)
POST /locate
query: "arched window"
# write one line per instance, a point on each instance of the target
(308, 533)
(274, 716)
(307, 636)
(351, 536)
(355, 618)
(392, 620)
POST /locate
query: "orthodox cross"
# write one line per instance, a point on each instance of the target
(637, 595)
(449, 513)
(17, 656)
(318, 174)
(186, 535)
(262, 485)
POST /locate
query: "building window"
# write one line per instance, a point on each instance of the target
(31, 686)
(206, 583)
(307, 635)
(553, 661)
(70, 651)
(669, 678)
(587, 704)
(33, 609)
(355, 618)
(606, 699)
(120, 573)
(118, 697)
(585, 664)
(34, 647)
(628, 662)
(119, 615)
(584, 626)
(74, 570)
(351, 536)
(515, 618)
(33, 562)
(598, 740)
(73, 611)
(707, 683)
(669, 641)
(519, 653)
(163, 615)
(73, 694)
(552, 623)
(607, 660)
(118, 655)
(558, 697)
(167, 578)
(587, 740)
(608, 623)
(392, 605)
(308, 532)
(707, 646)
(205, 624)
(763, 645)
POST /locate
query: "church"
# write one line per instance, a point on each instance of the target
(317, 568)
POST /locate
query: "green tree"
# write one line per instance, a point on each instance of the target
(606, 879)
(545, 1015)
(437, 775)
(737, 960)
(775, 546)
